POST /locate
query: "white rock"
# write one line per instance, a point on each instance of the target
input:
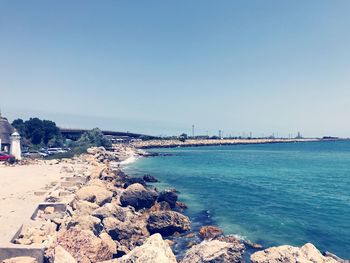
(63, 256)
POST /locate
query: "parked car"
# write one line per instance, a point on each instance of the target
(52, 151)
(34, 154)
(5, 156)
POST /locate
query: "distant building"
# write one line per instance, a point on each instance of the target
(6, 130)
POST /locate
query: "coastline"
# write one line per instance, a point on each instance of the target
(123, 217)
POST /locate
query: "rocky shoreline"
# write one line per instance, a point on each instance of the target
(112, 217)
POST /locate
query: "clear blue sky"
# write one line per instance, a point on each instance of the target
(160, 66)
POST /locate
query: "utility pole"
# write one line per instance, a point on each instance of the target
(193, 130)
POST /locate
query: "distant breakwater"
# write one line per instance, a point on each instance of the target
(213, 142)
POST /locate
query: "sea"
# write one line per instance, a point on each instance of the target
(270, 194)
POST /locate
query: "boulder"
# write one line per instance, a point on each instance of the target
(289, 254)
(128, 233)
(113, 210)
(95, 194)
(110, 242)
(210, 232)
(84, 246)
(96, 182)
(20, 260)
(161, 206)
(107, 175)
(214, 251)
(149, 178)
(154, 250)
(134, 180)
(84, 207)
(86, 222)
(138, 197)
(167, 222)
(63, 256)
(169, 197)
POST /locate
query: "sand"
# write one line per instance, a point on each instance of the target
(17, 198)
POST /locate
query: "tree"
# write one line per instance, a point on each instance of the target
(19, 125)
(51, 131)
(94, 137)
(34, 130)
(38, 131)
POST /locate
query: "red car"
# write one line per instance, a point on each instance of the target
(5, 156)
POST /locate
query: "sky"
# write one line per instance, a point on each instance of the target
(159, 67)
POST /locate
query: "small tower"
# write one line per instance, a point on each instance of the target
(16, 145)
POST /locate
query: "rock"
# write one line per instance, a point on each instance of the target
(138, 197)
(85, 222)
(169, 197)
(181, 205)
(149, 178)
(154, 250)
(84, 246)
(170, 242)
(190, 235)
(128, 233)
(329, 254)
(94, 194)
(63, 256)
(53, 197)
(190, 244)
(20, 260)
(112, 210)
(134, 180)
(96, 182)
(214, 251)
(67, 169)
(49, 210)
(253, 245)
(289, 254)
(210, 232)
(36, 232)
(161, 206)
(167, 222)
(84, 207)
(110, 242)
(95, 150)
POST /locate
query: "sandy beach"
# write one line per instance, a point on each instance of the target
(23, 187)
(17, 198)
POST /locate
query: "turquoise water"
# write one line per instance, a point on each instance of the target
(271, 194)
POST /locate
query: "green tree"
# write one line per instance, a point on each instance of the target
(19, 125)
(51, 131)
(93, 137)
(34, 130)
(39, 131)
